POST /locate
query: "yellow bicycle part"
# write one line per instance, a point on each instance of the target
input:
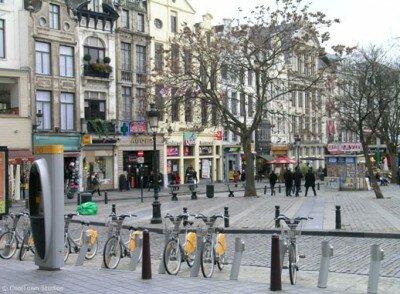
(132, 240)
(92, 236)
(221, 244)
(191, 243)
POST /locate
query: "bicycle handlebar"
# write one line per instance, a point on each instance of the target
(296, 219)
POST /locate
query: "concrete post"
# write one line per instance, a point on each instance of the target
(135, 254)
(376, 258)
(327, 253)
(161, 266)
(237, 259)
(283, 247)
(194, 271)
(83, 250)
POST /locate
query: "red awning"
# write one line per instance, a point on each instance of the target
(17, 156)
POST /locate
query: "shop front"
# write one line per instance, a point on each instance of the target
(19, 165)
(232, 161)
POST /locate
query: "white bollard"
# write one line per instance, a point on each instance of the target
(327, 253)
(376, 258)
(282, 250)
(161, 267)
(237, 259)
(83, 250)
(194, 271)
(136, 254)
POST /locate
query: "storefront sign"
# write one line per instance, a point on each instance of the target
(124, 128)
(142, 140)
(332, 160)
(205, 150)
(132, 158)
(231, 149)
(3, 180)
(173, 143)
(205, 143)
(172, 151)
(189, 139)
(343, 147)
(218, 135)
(205, 169)
(138, 127)
(86, 139)
(350, 160)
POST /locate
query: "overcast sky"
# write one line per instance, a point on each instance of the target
(363, 22)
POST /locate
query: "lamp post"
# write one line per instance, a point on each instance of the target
(297, 140)
(152, 115)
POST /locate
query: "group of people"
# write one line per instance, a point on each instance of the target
(239, 176)
(293, 181)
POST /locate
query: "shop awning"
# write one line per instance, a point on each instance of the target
(266, 157)
(17, 156)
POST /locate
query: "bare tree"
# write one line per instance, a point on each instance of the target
(364, 97)
(211, 63)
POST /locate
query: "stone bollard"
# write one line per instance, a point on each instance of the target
(277, 213)
(376, 258)
(105, 197)
(146, 262)
(338, 218)
(237, 259)
(279, 188)
(276, 278)
(226, 217)
(327, 253)
(265, 189)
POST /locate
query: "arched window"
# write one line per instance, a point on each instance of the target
(95, 48)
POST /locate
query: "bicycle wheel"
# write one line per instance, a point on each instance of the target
(67, 248)
(292, 264)
(221, 261)
(112, 253)
(8, 245)
(92, 250)
(207, 260)
(172, 257)
(24, 246)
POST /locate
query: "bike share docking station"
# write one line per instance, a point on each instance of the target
(46, 206)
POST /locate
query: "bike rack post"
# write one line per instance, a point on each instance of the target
(135, 254)
(279, 188)
(194, 271)
(277, 213)
(146, 262)
(318, 186)
(377, 256)
(105, 197)
(113, 210)
(78, 198)
(265, 189)
(237, 259)
(327, 253)
(226, 217)
(276, 278)
(283, 247)
(83, 250)
(161, 267)
(338, 224)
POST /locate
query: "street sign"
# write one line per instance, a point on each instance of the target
(140, 153)
(140, 159)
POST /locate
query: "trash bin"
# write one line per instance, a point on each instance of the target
(86, 197)
(210, 191)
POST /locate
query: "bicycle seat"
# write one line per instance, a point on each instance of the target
(219, 230)
(187, 223)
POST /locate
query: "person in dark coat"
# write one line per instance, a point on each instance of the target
(297, 180)
(272, 181)
(310, 181)
(288, 182)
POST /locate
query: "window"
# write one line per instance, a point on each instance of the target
(159, 102)
(126, 105)
(224, 71)
(95, 105)
(126, 56)
(250, 106)
(95, 48)
(174, 107)
(249, 77)
(234, 103)
(42, 51)
(2, 39)
(158, 57)
(187, 61)
(43, 104)
(173, 24)
(158, 23)
(242, 104)
(294, 98)
(175, 58)
(188, 107)
(140, 22)
(226, 134)
(125, 18)
(300, 97)
(54, 16)
(67, 111)
(140, 108)
(234, 137)
(140, 64)
(204, 112)
(94, 5)
(66, 61)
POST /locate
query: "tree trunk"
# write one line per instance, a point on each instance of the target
(250, 189)
(394, 168)
(374, 183)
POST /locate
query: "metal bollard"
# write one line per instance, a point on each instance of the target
(279, 188)
(185, 212)
(237, 259)
(276, 277)
(377, 256)
(194, 271)
(83, 250)
(277, 213)
(317, 186)
(338, 218)
(327, 253)
(283, 247)
(226, 217)
(105, 197)
(113, 210)
(265, 189)
(78, 198)
(146, 262)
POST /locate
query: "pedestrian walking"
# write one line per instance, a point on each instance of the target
(236, 177)
(310, 181)
(272, 181)
(297, 180)
(96, 184)
(288, 176)
(243, 179)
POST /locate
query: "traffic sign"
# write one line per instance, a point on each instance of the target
(140, 153)
(140, 159)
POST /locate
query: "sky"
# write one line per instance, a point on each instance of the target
(363, 22)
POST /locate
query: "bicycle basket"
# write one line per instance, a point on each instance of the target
(291, 229)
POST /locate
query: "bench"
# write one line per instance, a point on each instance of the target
(176, 189)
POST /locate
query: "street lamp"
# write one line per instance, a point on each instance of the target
(152, 115)
(297, 140)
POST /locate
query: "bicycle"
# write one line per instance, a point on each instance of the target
(289, 233)
(115, 248)
(75, 245)
(176, 251)
(10, 240)
(27, 243)
(214, 246)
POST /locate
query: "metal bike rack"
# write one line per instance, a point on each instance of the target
(327, 253)
(135, 254)
(194, 271)
(237, 259)
(83, 250)
(377, 256)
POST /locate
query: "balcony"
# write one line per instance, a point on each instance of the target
(98, 70)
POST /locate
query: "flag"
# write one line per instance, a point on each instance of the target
(182, 89)
(165, 92)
